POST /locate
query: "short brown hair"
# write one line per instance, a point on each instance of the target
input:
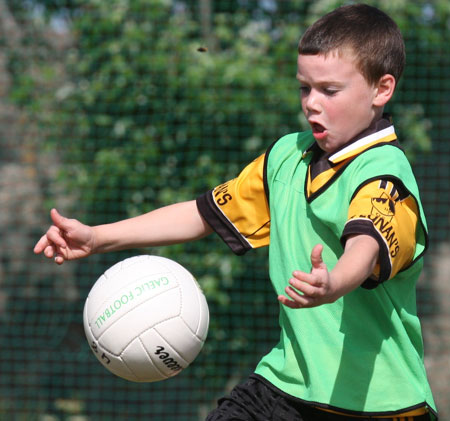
(373, 36)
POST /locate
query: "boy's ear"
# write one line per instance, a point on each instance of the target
(384, 90)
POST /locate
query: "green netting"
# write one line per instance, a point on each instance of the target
(109, 110)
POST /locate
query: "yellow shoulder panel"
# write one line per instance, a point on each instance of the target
(393, 218)
(243, 202)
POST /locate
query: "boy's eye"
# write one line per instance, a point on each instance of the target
(304, 89)
(330, 91)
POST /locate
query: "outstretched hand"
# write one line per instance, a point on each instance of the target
(320, 286)
(66, 239)
(310, 289)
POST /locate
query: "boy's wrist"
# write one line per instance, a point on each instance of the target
(337, 289)
(98, 243)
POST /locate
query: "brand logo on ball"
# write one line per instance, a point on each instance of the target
(139, 291)
(167, 359)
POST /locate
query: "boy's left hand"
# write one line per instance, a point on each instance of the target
(321, 286)
(315, 286)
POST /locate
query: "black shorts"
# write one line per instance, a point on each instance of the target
(254, 400)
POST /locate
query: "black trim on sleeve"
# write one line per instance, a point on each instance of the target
(221, 225)
(365, 226)
(398, 183)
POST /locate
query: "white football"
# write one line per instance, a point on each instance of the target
(146, 318)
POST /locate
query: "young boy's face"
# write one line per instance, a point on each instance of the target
(336, 99)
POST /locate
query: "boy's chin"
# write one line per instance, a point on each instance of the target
(326, 146)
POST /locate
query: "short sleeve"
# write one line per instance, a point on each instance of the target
(389, 214)
(238, 210)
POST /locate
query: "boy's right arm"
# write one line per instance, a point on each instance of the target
(69, 239)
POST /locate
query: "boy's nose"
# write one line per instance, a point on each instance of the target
(311, 102)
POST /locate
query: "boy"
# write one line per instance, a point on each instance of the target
(347, 233)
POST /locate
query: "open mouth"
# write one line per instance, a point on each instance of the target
(319, 132)
(317, 128)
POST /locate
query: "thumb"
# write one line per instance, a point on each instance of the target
(316, 257)
(59, 220)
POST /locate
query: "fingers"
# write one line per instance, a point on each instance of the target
(296, 300)
(51, 251)
(41, 245)
(307, 290)
(53, 244)
(287, 302)
(59, 260)
(56, 236)
(53, 234)
(307, 284)
(303, 293)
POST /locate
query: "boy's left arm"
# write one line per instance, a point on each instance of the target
(380, 239)
(321, 286)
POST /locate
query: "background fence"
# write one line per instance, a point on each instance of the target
(107, 110)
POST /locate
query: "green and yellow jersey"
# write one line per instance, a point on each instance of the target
(362, 354)
(239, 210)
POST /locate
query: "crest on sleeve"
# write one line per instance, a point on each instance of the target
(384, 205)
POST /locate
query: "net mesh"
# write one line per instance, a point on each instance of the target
(112, 108)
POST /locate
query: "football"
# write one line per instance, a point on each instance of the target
(146, 318)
